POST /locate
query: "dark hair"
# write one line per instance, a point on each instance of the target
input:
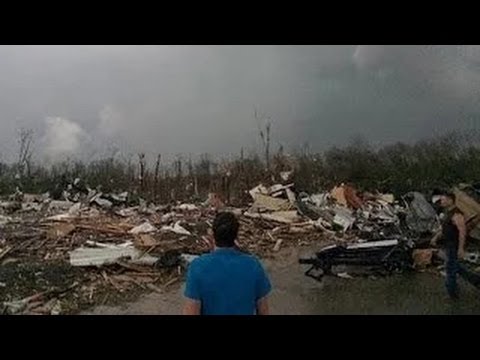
(225, 229)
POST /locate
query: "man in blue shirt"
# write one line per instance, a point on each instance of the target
(226, 281)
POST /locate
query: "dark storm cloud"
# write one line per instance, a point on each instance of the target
(192, 99)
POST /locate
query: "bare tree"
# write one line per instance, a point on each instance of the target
(141, 177)
(264, 133)
(157, 171)
(25, 151)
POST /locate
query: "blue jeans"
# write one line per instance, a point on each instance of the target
(453, 267)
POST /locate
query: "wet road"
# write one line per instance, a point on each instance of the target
(295, 294)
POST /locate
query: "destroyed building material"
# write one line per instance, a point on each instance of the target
(214, 200)
(145, 260)
(10, 206)
(260, 189)
(144, 228)
(286, 175)
(285, 217)
(466, 204)
(187, 207)
(176, 229)
(422, 258)
(167, 217)
(31, 206)
(421, 216)
(347, 196)
(60, 230)
(352, 198)
(388, 198)
(276, 248)
(269, 203)
(119, 198)
(104, 203)
(318, 200)
(471, 211)
(344, 218)
(338, 193)
(101, 256)
(145, 240)
(291, 196)
(278, 189)
(127, 212)
(59, 205)
(5, 220)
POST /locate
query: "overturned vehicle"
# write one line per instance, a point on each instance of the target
(382, 257)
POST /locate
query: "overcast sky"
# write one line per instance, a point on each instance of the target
(195, 99)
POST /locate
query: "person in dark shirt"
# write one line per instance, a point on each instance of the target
(226, 281)
(451, 238)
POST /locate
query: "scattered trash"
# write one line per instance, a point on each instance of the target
(344, 275)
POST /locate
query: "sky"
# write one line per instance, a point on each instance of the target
(93, 100)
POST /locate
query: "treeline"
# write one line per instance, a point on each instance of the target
(438, 162)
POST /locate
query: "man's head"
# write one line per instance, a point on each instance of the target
(446, 199)
(225, 229)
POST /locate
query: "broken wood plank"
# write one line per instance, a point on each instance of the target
(109, 280)
(154, 288)
(5, 252)
(103, 229)
(170, 282)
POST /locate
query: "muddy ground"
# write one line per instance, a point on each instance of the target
(295, 294)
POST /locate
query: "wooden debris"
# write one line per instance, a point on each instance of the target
(277, 245)
(60, 230)
(145, 240)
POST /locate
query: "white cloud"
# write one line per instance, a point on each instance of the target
(62, 137)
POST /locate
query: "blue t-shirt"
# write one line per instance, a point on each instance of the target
(227, 282)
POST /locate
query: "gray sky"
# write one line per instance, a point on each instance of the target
(85, 99)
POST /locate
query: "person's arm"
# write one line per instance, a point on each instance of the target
(193, 303)
(263, 288)
(192, 307)
(459, 221)
(435, 238)
(262, 306)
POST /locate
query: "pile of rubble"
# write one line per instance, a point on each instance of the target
(59, 256)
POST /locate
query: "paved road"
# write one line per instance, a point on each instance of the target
(294, 294)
